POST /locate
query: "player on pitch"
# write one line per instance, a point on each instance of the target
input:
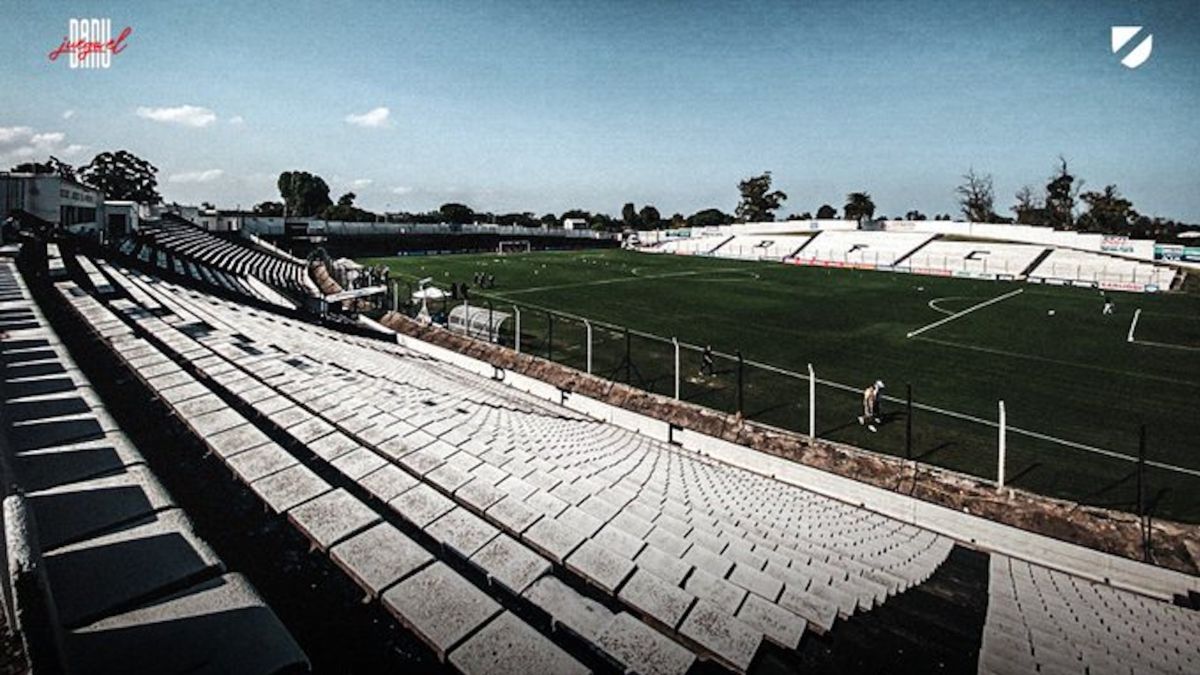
(872, 398)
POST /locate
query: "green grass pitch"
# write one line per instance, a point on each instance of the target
(1066, 372)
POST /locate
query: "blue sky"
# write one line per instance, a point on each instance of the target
(544, 106)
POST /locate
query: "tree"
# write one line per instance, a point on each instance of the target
(914, 215)
(457, 213)
(268, 208)
(1060, 197)
(52, 166)
(1108, 212)
(1029, 207)
(678, 221)
(976, 197)
(800, 216)
(629, 215)
(709, 218)
(758, 203)
(858, 206)
(304, 194)
(550, 220)
(121, 175)
(345, 210)
(826, 212)
(650, 217)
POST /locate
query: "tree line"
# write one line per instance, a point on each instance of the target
(1061, 203)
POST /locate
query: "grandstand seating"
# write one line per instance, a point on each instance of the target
(678, 544)
(177, 245)
(688, 246)
(1105, 271)
(469, 509)
(761, 246)
(974, 258)
(105, 573)
(1046, 621)
(860, 249)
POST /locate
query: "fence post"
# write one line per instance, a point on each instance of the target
(549, 336)
(517, 313)
(812, 404)
(1141, 496)
(588, 325)
(740, 380)
(1003, 440)
(628, 358)
(466, 317)
(908, 423)
(490, 316)
(395, 296)
(675, 342)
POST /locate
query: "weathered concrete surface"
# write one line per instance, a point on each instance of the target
(643, 649)
(332, 517)
(440, 606)
(510, 563)
(509, 645)
(731, 641)
(379, 557)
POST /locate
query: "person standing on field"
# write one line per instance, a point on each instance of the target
(872, 398)
(706, 361)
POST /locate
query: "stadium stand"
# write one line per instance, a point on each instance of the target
(689, 246)
(860, 249)
(175, 244)
(1080, 267)
(511, 533)
(671, 540)
(1046, 621)
(761, 247)
(105, 574)
(988, 260)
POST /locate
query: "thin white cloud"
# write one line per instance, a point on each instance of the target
(402, 190)
(237, 120)
(73, 149)
(68, 114)
(184, 115)
(361, 182)
(20, 144)
(374, 118)
(206, 176)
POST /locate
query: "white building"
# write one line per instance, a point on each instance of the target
(51, 198)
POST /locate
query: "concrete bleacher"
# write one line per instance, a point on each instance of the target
(1106, 271)
(104, 572)
(1045, 621)
(237, 267)
(761, 246)
(699, 558)
(860, 248)
(987, 260)
(689, 246)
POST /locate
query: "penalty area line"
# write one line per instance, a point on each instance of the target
(964, 312)
(1133, 324)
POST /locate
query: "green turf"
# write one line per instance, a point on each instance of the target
(1069, 375)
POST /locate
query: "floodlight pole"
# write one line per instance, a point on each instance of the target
(675, 343)
(1141, 497)
(812, 404)
(517, 313)
(588, 325)
(1003, 440)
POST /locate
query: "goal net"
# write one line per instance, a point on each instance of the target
(514, 246)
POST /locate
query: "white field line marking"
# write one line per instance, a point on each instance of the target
(1133, 324)
(933, 304)
(1044, 359)
(1166, 345)
(965, 312)
(620, 280)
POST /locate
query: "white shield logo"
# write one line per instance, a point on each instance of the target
(1122, 35)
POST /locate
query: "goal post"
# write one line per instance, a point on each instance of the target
(513, 246)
